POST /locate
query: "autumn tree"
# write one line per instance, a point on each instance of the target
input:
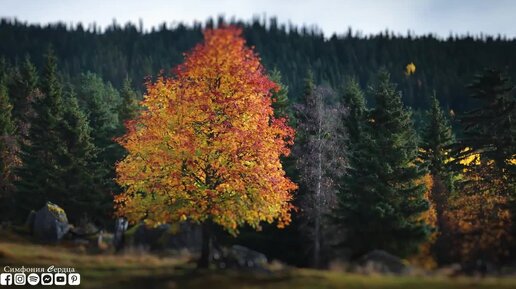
(482, 213)
(321, 161)
(489, 134)
(207, 146)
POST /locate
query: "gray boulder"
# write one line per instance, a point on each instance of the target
(50, 223)
(240, 257)
(378, 261)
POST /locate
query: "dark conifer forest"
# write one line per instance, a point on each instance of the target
(444, 65)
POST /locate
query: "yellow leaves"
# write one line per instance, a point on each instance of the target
(471, 159)
(208, 147)
(410, 69)
(424, 257)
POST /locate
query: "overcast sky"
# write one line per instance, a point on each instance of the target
(332, 16)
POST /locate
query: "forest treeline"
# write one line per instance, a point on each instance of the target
(404, 144)
(443, 65)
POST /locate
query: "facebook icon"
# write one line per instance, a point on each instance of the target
(6, 279)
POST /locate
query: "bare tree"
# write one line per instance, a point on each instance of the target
(320, 154)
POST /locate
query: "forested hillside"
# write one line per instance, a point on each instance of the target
(442, 65)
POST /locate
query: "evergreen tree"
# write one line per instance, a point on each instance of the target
(355, 101)
(485, 156)
(280, 102)
(100, 102)
(24, 91)
(8, 147)
(40, 174)
(437, 138)
(129, 107)
(308, 86)
(380, 200)
(490, 133)
(84, 194)
(56, 157)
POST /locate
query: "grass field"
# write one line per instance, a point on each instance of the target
(149, 271)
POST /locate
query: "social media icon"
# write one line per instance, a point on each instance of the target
(60, 279)
(6, 279)
(33, 279)
(74, 279)
(46, 279)
(19, 279)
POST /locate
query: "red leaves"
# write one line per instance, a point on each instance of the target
(209, 141)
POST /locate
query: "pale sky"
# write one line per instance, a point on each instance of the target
(368, 16)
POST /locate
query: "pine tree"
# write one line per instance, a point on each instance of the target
(308, 85)
(355, 101)
(56, 157)
(129, 107)
(490, 134)
(281, 102)
(100, 102)
(437, 138)
(41, 156)
(380, 201)
(24, 91)
(484, 157)
(84, 193)
(8, 148)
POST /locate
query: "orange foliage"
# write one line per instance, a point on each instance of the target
(424, 257)
(480, 225)
(207, 146)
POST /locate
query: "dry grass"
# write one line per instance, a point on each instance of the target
(140, 270)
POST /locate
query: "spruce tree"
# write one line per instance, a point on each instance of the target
(355, 101)
(8, 148)
(56, 157)
(380, 201)
(23, 90)
(489, 132)
(39, 176)
(280, 99)
(85, 194)
(437, 138)
(129, 107)
(308, 86)
(100, 102)
(485, 155)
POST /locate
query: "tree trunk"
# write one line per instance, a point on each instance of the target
(317, 239)
(207, 245)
